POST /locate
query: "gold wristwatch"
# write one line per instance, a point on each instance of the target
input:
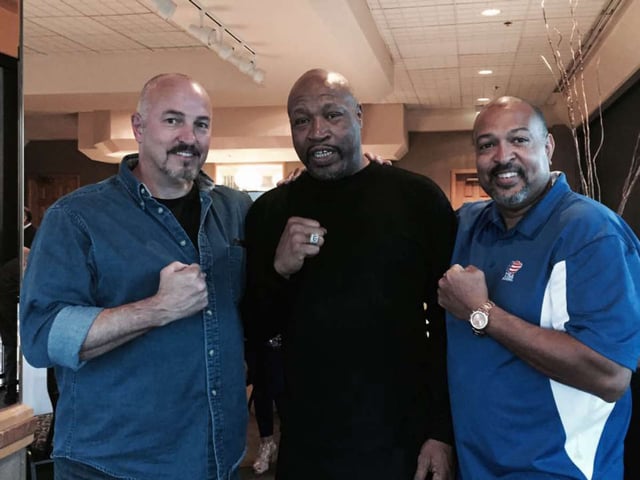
(479, 318)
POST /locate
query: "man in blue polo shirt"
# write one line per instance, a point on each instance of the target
(543, 319)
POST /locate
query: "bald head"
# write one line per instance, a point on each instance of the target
(318, 77)
(513, 155)
(160, 83)
(507, 103)
(326, 124)
(173, 129)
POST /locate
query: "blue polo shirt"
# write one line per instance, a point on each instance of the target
(570, 264)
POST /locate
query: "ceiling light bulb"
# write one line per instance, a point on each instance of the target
(246, 66)
(485, 72)
(482, 99)
(258, 76)
(235, 61)
(490, 12)
(224, 51)
(165, 8)
(200, 33)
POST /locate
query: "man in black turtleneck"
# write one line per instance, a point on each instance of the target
(342, 262)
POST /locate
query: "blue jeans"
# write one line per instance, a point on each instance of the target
(65, 469)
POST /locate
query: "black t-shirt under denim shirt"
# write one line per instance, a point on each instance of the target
(187, 211)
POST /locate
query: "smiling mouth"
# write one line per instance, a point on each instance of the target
(185, 151)
(322, 156)
(184, 154)
(506, 175)
(506, 180)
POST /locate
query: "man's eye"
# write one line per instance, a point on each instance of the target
(484, 146)
(299, 121)
(333, 115)
(520, 140)
(171, 121)
(202, 125)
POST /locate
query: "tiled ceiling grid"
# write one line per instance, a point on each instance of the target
(437, 46)
(98, 26)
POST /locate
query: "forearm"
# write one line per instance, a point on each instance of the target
(559, 356)
(116, 326)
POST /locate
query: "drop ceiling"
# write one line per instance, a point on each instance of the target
(92, 54)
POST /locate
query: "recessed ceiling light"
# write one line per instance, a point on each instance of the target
(482, 99)
(490, 12)
(485, 72)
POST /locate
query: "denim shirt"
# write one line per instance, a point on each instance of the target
(146, 409)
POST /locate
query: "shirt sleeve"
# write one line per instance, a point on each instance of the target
(603, 299)
(57, 305)
(441, 242)
(265, 302)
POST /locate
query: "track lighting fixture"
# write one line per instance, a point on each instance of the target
(229, 47)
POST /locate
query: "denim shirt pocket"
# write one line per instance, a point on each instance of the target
(236, 258)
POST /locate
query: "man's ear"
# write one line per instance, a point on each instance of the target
(137, 125)
(549, 147)
(359, 114)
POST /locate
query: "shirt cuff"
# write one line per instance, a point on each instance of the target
(67, 334)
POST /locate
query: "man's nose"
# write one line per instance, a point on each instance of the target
(503, 151)
(319, 128)
(187, 134)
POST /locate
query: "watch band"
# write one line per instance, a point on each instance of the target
(484, 308)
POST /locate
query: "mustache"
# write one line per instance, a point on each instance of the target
(509, 167)
(185, 148)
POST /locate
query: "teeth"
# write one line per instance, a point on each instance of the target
(321, 153)
(507, 175)
(185, 154)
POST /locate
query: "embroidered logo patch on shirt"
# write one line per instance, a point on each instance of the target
(512, 269)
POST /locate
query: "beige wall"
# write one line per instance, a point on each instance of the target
(434, 154)
(240, 135)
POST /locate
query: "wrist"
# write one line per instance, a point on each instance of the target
(154, 311)
(281, 271)
(480, 317)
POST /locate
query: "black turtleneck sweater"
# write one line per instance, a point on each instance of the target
(361, 374)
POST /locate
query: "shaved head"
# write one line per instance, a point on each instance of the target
(332, 80)
(507, 102)
(160, 81)
(326, 124)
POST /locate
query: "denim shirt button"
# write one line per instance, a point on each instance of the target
(211, 353)
(214, 392)
(160, 209)
(207, 312)
(183, 243)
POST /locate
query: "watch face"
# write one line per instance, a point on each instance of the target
(479, 320)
